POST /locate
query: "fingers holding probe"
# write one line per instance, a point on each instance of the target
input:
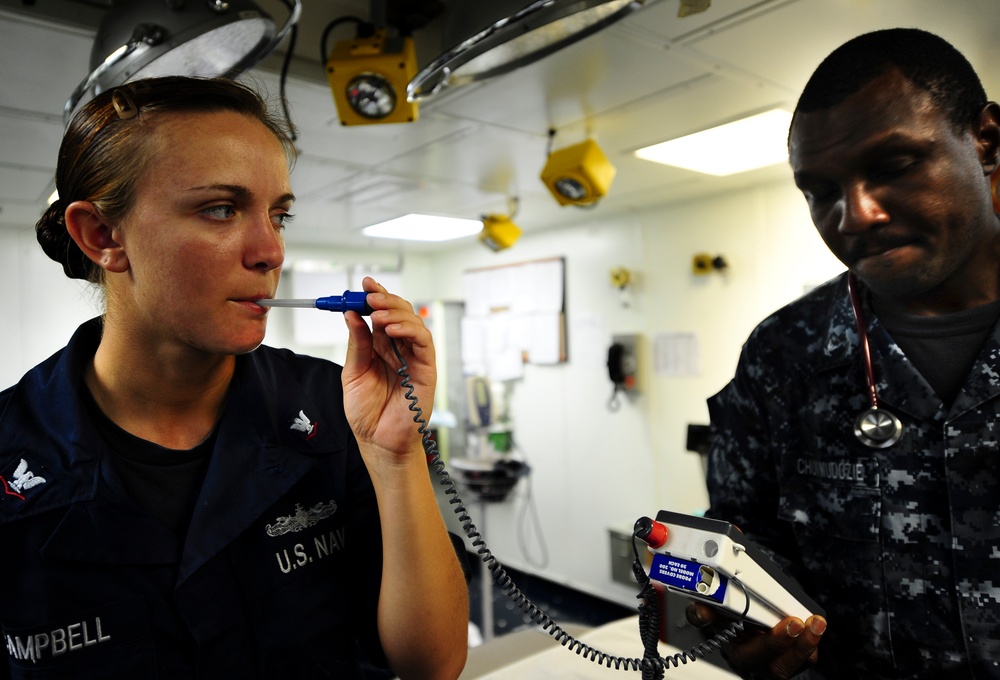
(373, 393)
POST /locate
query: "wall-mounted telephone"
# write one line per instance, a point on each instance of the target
(623, 362)
(623, 366)
(616, 371)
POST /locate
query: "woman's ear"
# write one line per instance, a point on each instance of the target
(95, 237)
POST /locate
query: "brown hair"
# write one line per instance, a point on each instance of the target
(109, 143)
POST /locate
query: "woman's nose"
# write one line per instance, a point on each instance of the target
(266, 247)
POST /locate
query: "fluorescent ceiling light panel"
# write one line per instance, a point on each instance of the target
(418, 227)
(742, 145)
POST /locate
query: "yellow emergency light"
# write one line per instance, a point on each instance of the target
(368, 78)
(499, 232)
(578, 174)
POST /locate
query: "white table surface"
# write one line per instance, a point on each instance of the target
(619, 638)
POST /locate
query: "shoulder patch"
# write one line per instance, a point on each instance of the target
(304, 425)
(20, 481)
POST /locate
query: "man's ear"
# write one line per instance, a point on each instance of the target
(989, 137)
(95, 237)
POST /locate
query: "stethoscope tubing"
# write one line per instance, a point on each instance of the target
(874, 427)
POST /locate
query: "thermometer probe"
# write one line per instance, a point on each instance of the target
(350, 301)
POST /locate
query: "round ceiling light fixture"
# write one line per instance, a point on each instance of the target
(506, 40)
(211, 38)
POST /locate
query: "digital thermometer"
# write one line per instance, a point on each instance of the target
(350, 301)
(712, 561)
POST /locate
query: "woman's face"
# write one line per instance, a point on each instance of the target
(204, 236)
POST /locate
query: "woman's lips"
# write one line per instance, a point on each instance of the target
(251, 304)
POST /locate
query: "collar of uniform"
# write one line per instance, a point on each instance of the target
(841, 342)
(897, 382)
(113, 530)
(258, 456)
(43, 426)
(983, 382)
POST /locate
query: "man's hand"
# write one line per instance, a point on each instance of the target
(787, 649)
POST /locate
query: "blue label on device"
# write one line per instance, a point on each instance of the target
(678, 573)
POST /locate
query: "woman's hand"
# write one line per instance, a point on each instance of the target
(423, 588)
(374, 399)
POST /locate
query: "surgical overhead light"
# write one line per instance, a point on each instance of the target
(211, 38)
(487, 39)
(368, 76)
(578, 174)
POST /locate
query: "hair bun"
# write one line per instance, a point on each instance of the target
(50, 230)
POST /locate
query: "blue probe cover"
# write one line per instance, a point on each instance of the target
(682, 574)
(350, 301)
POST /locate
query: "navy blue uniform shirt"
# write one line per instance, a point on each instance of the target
(278, 576)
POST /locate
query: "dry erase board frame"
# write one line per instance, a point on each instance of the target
(514, 314)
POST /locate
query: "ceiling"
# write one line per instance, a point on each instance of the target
(650, 77)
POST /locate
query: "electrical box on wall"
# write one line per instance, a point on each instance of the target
(623, 362)
(622, 557)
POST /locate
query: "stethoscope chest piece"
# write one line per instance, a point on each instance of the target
(874, 427)
(877, 428)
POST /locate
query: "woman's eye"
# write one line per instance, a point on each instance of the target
(282, 219)
(220, 212)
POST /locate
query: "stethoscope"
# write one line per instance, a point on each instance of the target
(874, 427)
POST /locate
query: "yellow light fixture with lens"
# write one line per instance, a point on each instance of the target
(499, 232)
(578, 174)
(368, 78)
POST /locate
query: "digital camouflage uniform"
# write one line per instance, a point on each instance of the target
(901, 545)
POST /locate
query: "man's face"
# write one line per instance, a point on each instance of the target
(900, 195)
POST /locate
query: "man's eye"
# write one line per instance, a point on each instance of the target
(892, 169)
(219, 212)
(282, 219)
(819, 194)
